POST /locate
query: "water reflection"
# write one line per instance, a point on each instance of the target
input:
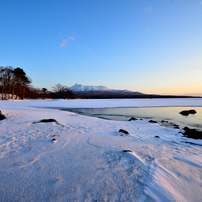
(170, 114)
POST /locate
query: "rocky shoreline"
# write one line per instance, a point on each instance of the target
(186, 131)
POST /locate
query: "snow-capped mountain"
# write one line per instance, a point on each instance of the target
(90, 91)
(84, 88)
(101, 91)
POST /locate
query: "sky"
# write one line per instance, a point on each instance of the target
(150, 46)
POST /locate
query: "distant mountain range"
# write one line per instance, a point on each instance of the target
(84, 89)
(88, 91)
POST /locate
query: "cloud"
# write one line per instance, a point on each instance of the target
(148, 9)
(65, 41)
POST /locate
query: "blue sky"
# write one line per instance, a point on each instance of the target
(151, 46)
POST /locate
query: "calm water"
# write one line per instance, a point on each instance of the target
(170, 114)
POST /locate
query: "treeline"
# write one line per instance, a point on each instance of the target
(15, 84)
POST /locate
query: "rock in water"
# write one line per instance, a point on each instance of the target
(192, 111)
(132, 119)
(184, 112)
(187, 112)
(151, 121)
(186, 128)
(192, 133)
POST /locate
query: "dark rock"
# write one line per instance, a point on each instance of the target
(132, 119)
(2, 117)
(157, 136)
(151, 121)
(47, 120)
(127, 150)
(192, 111)
(184, 113)
(124, 131)
(53, 139)
(186, 128)
(192, 133)
(176, 126)
(187, 112)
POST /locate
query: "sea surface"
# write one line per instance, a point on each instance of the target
(167, 116)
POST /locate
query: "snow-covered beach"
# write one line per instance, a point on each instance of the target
(87, 162)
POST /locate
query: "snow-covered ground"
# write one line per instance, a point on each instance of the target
(86, 162)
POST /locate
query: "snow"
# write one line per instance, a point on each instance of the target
(79, 87)
(87, 162)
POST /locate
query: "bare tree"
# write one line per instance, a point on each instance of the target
(62, 92)
(6, 77)
(59, 89)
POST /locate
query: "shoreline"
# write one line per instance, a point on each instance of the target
(165, 121)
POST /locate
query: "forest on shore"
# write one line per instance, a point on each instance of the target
(15, 84)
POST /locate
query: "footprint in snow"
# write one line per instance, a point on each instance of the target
(19, 164)
(51, 135)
